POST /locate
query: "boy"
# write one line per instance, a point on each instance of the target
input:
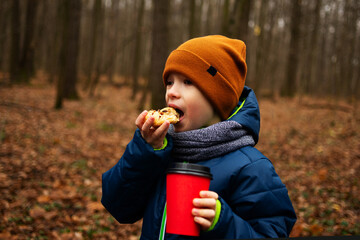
(204, 79)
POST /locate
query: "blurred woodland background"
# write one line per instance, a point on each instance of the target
(74, 75)
(293, 47)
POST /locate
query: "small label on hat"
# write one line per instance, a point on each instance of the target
(212, 70)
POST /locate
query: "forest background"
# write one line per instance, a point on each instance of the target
(99, 62)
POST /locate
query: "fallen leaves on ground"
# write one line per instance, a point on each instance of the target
(52, 161)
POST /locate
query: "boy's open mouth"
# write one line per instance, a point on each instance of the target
(181, 113)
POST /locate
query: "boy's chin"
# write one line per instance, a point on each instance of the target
(178, 127)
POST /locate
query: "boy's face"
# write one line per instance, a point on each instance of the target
(186, 98)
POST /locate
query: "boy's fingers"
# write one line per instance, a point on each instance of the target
(158, 132)
(204, 202)
(140, 119)
(205, 213)
(209, 194)
(162, 130)
(204, 223)
(147, 124)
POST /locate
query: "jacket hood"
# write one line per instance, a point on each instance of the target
(249, 114)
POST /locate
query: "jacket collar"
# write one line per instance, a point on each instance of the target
(247, 113)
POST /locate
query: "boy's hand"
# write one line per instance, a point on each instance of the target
(153, 136)
(205, 208)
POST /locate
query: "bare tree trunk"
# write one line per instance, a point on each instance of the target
(355, 65)
(15, 41)
(208, 26)
(321, 58)
(66, 88)
(4, 16)
(94, 67)
(53, 44)
(192, 21)
(314, 46)
(244, 20)
(137, 54)
(73, 49)
(159, 51)
(352, 12)
(268, 60)
(145, 92)
(335, 69)
(260, 48)
(275, 55)
(289, 87)
(225, 18)
(112, 49)
(92, 45)
(241, 23)
(26, 64)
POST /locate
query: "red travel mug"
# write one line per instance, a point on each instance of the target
(184, 181)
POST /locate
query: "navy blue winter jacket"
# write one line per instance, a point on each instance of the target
(254, 201)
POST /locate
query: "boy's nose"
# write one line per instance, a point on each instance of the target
(173, 92)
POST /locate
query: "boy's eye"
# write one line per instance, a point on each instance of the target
(187, 82)
(167, 82)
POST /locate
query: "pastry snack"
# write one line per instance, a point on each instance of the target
(160, 116)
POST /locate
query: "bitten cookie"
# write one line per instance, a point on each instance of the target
(160, 116)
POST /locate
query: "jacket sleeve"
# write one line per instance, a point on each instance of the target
(127, 187)
(258, 207)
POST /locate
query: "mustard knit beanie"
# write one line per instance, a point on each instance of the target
(216, 65)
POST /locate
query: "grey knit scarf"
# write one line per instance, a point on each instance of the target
(210, 142)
